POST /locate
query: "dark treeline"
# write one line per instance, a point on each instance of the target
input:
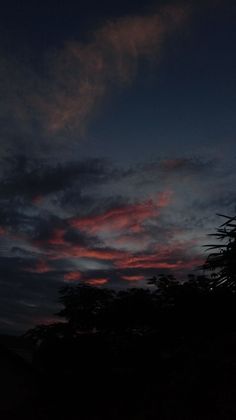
(167, 351)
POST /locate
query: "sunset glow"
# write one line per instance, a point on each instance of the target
(117, 145)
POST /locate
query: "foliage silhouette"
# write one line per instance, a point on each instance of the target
(88, 309)
(176, 336)
(222, 262)
(160, 349)
(84, 306)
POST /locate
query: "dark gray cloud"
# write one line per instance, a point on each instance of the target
(31, 179)
(164, 170)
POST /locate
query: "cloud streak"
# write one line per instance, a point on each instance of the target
(129, 217)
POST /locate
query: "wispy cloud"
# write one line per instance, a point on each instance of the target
(97, 282)
(129, 217)
(78, 76)
(83, 73)
(133, 278)
(72, 276)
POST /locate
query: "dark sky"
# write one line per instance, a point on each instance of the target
(117, 144)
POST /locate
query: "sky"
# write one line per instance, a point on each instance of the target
(117, 144)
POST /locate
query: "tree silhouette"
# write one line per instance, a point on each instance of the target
(93, 309)
(222, 261)
(84, 306)
(177, 336)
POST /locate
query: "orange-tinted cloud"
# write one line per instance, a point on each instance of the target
(72, 276)
(133, 278)
(153, 262)
(167, 257)
(97, 282)
(73, 251)
(148, 261)
(129, 217)
(123, 217)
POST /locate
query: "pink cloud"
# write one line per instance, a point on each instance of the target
(97, 282)
(72, 276)
(133, 278)
(174, 257)
(73, 251)
(148, 261)
(177, 256)
(129, 217)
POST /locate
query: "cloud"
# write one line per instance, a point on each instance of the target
(41, 266)
(97, 282)
(3, 231)
(185, 165)
(125, 217)
(83, 74)
(78, 76)
(133, 278)
(129, 217)
(57, 240)
(170, 170)
(73, 251)
(115, 239)
(72, 276)
(33, 179)
(154, 261)
(176, 256)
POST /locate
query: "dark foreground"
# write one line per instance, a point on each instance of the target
(196, 380)
(165, 354)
